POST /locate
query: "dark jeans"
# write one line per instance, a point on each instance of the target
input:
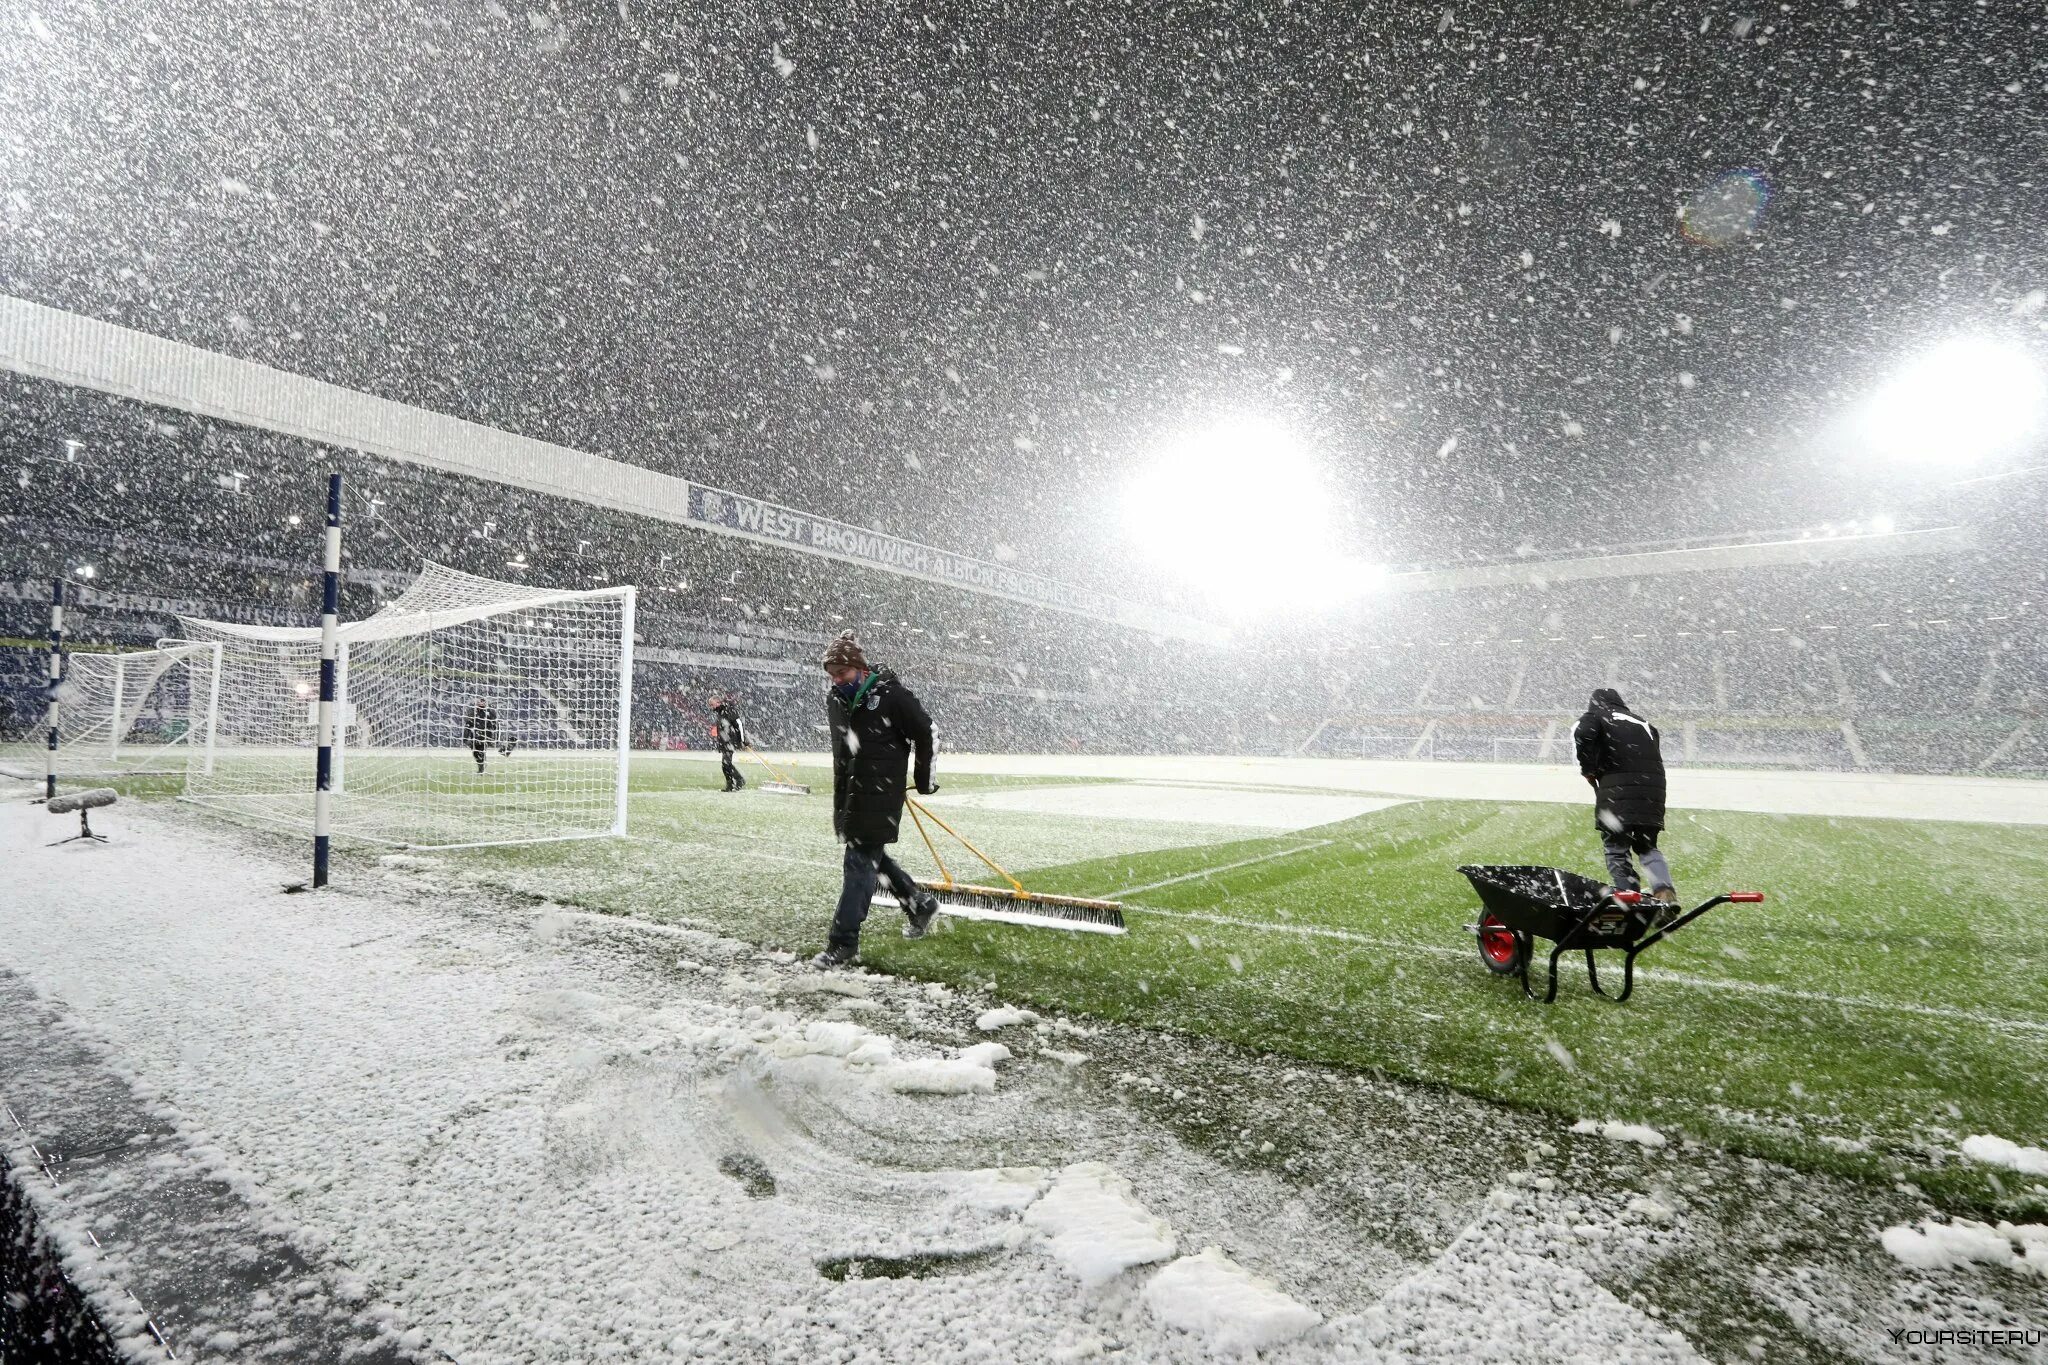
(1618, 844)
(864, 862)
(733, 779)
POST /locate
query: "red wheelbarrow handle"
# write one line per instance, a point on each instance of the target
(1746, 897)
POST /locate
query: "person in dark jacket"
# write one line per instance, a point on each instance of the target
(877, 725)
(480, 730)
(1621, 757)
(732, 734)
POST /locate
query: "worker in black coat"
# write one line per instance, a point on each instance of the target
(480, 730)
(731, 735)
(1622, 758)
(878, 724)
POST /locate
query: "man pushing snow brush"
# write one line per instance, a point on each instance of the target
(877, 723)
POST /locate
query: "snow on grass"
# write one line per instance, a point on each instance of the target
(1643, 1206)
(1223, 808)
(1505, 1290)
(1962, 1243)
(1006, 1016)
(1621, 1132)
(1096, 1228)
(1998, 1151)
(1217, 1299)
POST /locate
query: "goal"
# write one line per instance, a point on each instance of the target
(136, 711)
(468, 712)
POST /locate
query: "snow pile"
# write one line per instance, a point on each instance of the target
(991, 1020)
(1951, 1246)
(937, 1076)
(1998, 1151)
(870, 1057)
(1215, 1298)
(1621, 1132)
(1096, 1229)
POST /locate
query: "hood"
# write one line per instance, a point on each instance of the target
(1607, 699)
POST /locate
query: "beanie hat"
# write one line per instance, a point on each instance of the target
(844, 652)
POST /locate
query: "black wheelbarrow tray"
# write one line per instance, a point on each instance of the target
(1523, 904)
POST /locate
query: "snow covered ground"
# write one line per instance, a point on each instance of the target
(1895, 796)
(532, 1134)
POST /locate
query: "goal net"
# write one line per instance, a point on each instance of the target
(128, 712)
(468, 712)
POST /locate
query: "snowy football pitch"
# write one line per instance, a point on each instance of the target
(561, 1101)
(1884, 1003)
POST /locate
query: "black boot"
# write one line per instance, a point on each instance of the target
(922, 908)
(836, 955)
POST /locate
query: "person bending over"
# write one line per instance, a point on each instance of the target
(1621, 757)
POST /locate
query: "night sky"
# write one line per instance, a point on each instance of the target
(959, 271)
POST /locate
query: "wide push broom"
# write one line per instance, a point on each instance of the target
(780, 785)
(1012, 906)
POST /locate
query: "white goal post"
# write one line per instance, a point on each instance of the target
(131, 712)
(467, 712)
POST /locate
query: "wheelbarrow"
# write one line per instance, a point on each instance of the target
(1522, 904)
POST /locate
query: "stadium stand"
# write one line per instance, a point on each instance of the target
(1909, 666)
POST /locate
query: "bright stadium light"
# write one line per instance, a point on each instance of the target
(1240, 514)
(1963, 401)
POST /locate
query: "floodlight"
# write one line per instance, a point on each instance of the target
(1967, 399)
(1239, 513)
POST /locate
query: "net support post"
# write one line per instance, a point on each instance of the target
(114, 722)
(340, 774)
(323, 720)
(212, 708)
(50, 713)
(625, 735)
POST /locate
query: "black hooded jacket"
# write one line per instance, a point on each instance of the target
(1623, 755)
(872, 742)
(479, 725)
(732, 732)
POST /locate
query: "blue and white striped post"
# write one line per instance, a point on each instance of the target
(56, 681)
(323, 720)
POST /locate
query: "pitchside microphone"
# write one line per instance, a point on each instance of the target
(82, 802)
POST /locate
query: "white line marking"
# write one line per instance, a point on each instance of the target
(1647, 973)
(1211, 871)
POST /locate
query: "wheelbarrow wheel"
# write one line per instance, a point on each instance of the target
(1505, 951)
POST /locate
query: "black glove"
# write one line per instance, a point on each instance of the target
(928, 789)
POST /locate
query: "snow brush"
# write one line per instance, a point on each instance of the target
(780, 785)
(1013, 906)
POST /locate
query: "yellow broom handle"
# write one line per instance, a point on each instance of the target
(773, 771)
(993, 864)
(929, 845)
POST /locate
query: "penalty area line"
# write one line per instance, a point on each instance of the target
(1212, 871)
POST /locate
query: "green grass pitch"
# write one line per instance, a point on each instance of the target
(1887, 1001)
